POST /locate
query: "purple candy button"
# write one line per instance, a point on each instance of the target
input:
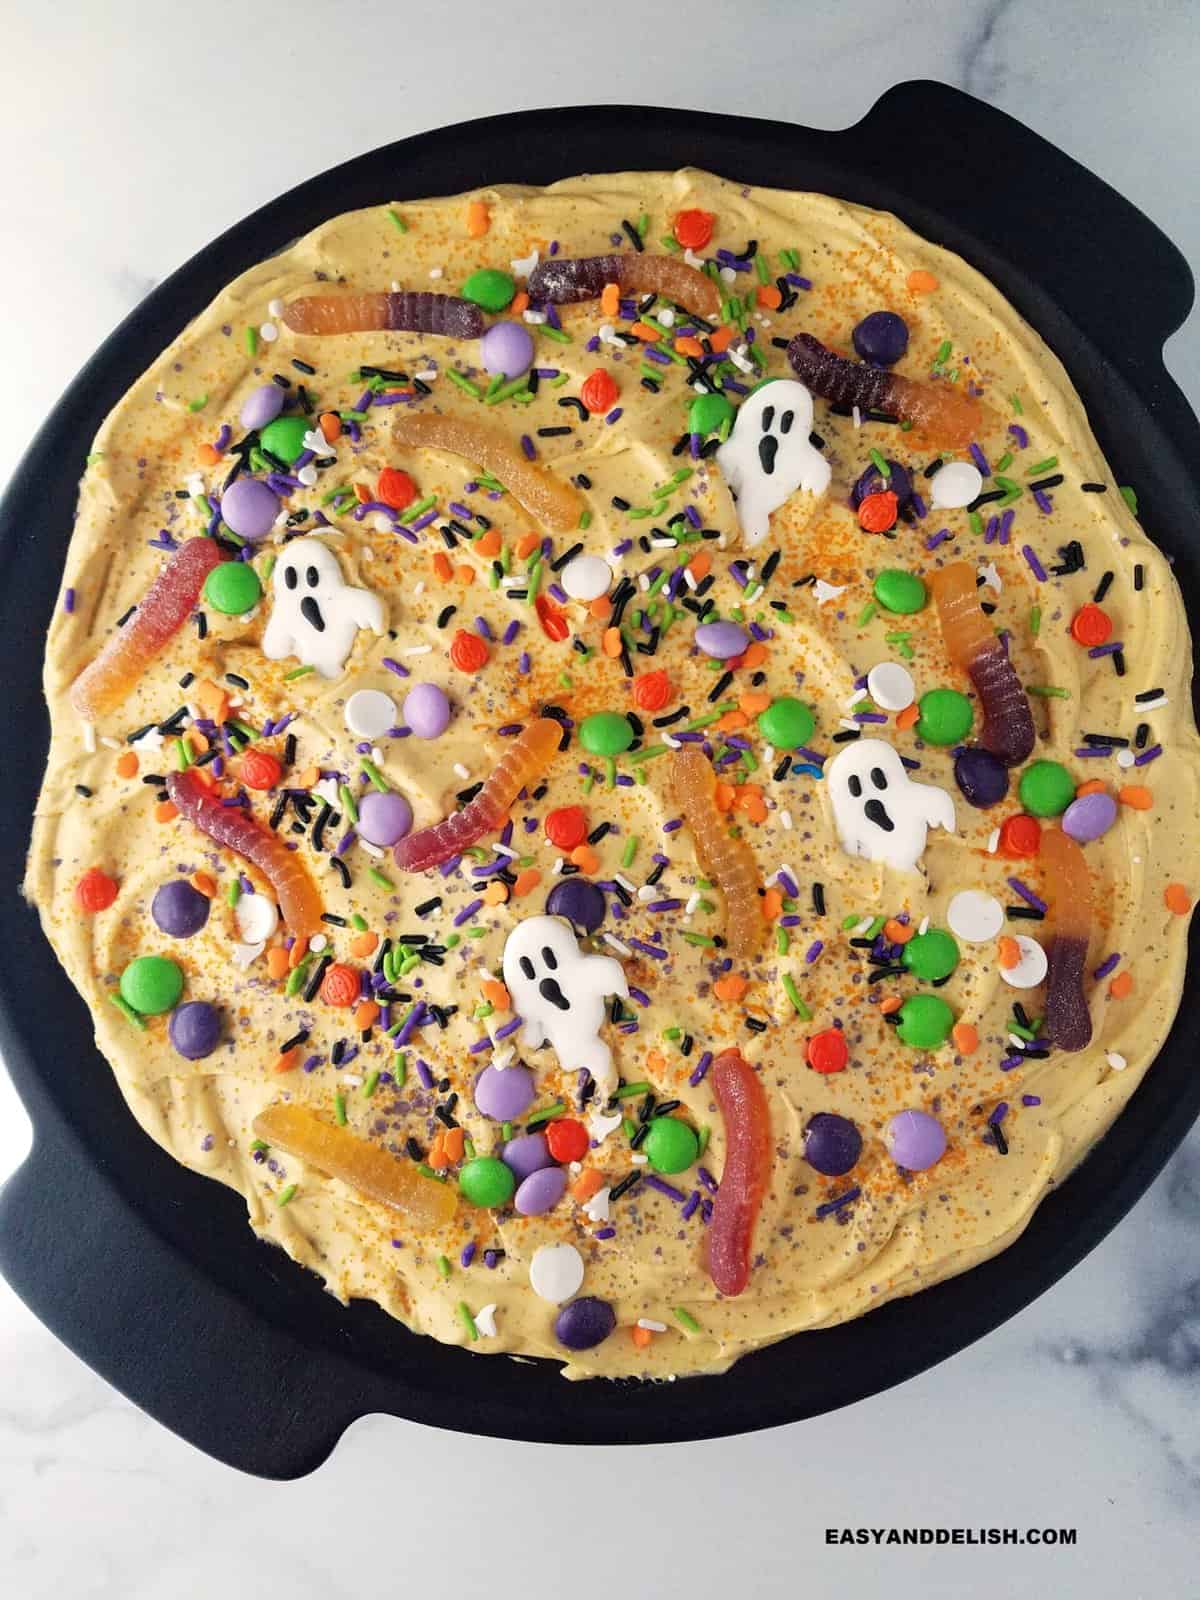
(541, 1191)
(427, 710)
(249, 508)
(383, 818)
(195, 1028)
(580, 901)
(507, 347)
(178, 909)
(721, 640)
(832, 1144)
(504, 1094)
(586, 1322)
(261, 406)
(915, 1139)
(526, 1154)
(1089, 817)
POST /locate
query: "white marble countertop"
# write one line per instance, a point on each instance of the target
(134, 134)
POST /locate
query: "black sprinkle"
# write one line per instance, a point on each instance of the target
(781, 771)
(1142, 735)
(574, 403)
(560, 562)
(1025, 914)
(187, 680)
(1047, 483)
(1103, 587)
(1147, 694)
(333, 919)
(846, 735)
(82, 790)
(998, 1136)
(625, 1185)
(756, 1025)
(125, 616)
(1094, 488)
(555, 433)
(314, 982)
(445, 614)
(297, 1038)
(818, 898)
(1139, 575)
(428, 906)
(342, 870)
(1118, 662)
(719, 688)
(303, 366)
(280, 807)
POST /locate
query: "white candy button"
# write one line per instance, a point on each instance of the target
(556, 1272)
(975, 917)
(891, 686)
(1030, 970)
(370, 713)
(586, 577)
(956, 484)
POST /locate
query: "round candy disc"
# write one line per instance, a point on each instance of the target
(556, 1272)
(1046, 787)
(527, 1153)
(507, 348)
(708, 412)
(925, 1021)
(383, 819)
(881, 338)
(540, 1191)
(489, 288)
(606, 733)
(580, 901)
(721, 640)
(946, 716)
(285, 437)
(585, 1323)
(827, 1051)
(1090, 626)
(151, 985)
(178, 909)
(195, 1029)
(891, 686)
(567, 1139)
(974, 916)
(787, 723)
(486, 1181)
(233, 587)
(901, 592)
(369, 713)
(832, 1144)
(249, 508)
(504, 1093)
(671, 1145)
(955, 484)
(1019, 836)
(1089, 817)
(427, 710)
(256, 918)
(982, 777)
(261, 405)
(586, 577)
(930, 955)
(915, 1140)
(1030, 969)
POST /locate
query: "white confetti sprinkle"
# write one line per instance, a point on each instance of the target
(318, 942)
(256, 918)
(485, 1320)
(1116, 1060)
(463, 772)
(245, 955)
(1125, 758)
(597, 1207)
(614, 943)
(825, 592)
(269, 332)
(651, 1326)
(524, 265)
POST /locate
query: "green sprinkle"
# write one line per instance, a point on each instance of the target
(545, 1114)
(349, 803)
(628, 1090)
(648, 754)
(443, 1266)
(630, 850)
(1048, 691)
(1005, 461)
(506, 1131)
(1021, 1033)
(974, 522)
(505, 391)
(465, 1317)
(182, 760)
(943, 353)
(399, 1068)
(628, 1127)
(671, 243)
(559, 335)
(127, 1010)
(285, 1195)
(296, 977)
(1130, 498)
(259, 1144)
(251, 341)
(464, 383)
(880, 465)
(358, 922)
(696, 938)
(1035, 620)
(427, 1171)
(234, 892)
(476, 933)
(381, 878)
(421, 507)
(339, 1108)
(1043, 466)
(867, 612)
(711, 717)
(199, 403)
(685, 1319)
(793, 994)
(705, 1135)
(399, 221)
(642, 223)
(297, 672)
(672, 1033)
(1014, 401)
(372, 1083)
(585, 518)
(377, 779)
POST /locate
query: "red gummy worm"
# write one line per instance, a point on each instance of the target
(743, 1104)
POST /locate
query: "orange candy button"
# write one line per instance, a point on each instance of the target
(1090, 626)
(1177, 898)
(827, 1051)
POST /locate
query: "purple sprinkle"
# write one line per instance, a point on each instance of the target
(1152, 754)
(69, 601)
(366, 506)
(869, 716)
(707, 1179)
(940, 537)
(1006, 522)
(814, 950)
(918, 505)
(523, 662)
(1093, 750)
(640, 995)
(424, 1073)
(1019, 434)
(787, 883)
(1010, 1062)
(482, 629)
(1035, 566)
(999, 1114)
(394, 666)
(413, 1022)
(797, 282)
(1031, 1099)
(670, 827)
(692, 1205)
(663, 361)
(510, 633)
(789, 921)
(649, 949)
(468, 1253)
(838, 1202)
(490, 1259)
(1107, 966)
(980, 460)
(467, 912)
(460, 510)
(527, 447)
(558, 593)
(593, 344)
(664, 905)
(605, 1233)
(1109, 649)
(447, 867)
(1026, 894)
(615, 415)
(701, 1069)
(508, 730)
(479, 1046)
(312, 1063)
(423, 522)
(669, 1189)
(509, 1027)
(1043, 502)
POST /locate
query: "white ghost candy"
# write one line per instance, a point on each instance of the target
(559, 993)
(316, 614)
(768, 455)
(880, 813)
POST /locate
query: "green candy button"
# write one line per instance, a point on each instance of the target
(786, 723)
(486, 1181)
(605, 733)
(900, 591)
(946, 716)
(1046, 788)
(285, 437)
(490, 288)
(708, 412)
(930, 955)
(925, 1022)
(671, 1145)
(233, 588)
(151, 985)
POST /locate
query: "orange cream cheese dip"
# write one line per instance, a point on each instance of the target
(622, 768)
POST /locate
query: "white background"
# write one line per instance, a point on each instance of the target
(133, 134)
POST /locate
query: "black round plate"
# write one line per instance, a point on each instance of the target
(148, 1271)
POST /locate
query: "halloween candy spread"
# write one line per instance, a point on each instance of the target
(622, 765)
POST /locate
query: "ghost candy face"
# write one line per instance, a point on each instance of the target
(879, 812)
(559, 992)
(768, 456)
(316, 615)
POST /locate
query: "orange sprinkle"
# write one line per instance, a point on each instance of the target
(1135, 796)
(721, 338)
(600, 608)
(438, 1159)
(640, 1336)
(527, 880)
(496, 992)
(365, 1014)
(442, 570)
(1009, 952)
(330, 425)
(772, 904)
(488, 544)
(1092, 786)
(298, 951)
(288, 1061)
(750, 800)
(127, 764)
(610, 299)
(363, 943)
(689, 346)
(464, 573)
(277, 961)
(910, 714)
(752, 704)
(731, 721)
(586, 1184)
(1121, 986)
(724, 796)
(754, 655)
(306, 779)
(363, 492)
(892, 1003)
(520, 302)
(655, 1061)
(203, 884)
(166, 811)
(966, 1038)
(586, 859)
(1177, 898)
(454, 1142)
(767, 294)
(527, 544)
(921, 282)
(644, 332)
(611, 644)
(898, 932)
(700, 565)
(496, 893)
(212, 699)
(207, 455)
(479, 219)
(732, 986)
